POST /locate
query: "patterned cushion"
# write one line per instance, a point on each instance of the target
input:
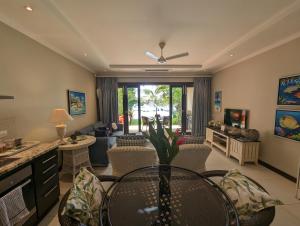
(131, 140)
(85, 198)
(131, 149)
(192, 140)
(114, 126)
(245, 194)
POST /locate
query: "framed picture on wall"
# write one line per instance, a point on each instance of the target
(289, 91)
(218, 101)
(287, 124)
(76, 102)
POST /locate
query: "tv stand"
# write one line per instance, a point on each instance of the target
(244, 151)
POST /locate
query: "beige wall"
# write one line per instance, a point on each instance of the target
(253, 85)
(39, 79)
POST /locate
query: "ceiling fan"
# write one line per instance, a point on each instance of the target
(162, 59)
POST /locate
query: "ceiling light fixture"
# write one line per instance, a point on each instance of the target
(231, 55)
(85, 54)
(29, 8)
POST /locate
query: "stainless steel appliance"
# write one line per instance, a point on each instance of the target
(22, 177)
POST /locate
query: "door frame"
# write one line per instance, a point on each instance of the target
(138, 86)
(125, 106)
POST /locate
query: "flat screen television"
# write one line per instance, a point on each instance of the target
(236, 118)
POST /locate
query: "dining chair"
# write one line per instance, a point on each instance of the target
(262, 218)
(166, 121)
(145, 121)
(65, 220)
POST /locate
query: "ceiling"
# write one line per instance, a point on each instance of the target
(98, 33)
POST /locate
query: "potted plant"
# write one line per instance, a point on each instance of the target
(167, 148)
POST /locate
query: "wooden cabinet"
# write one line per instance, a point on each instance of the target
(244, 151)
(209, 135)
(46, 180)
(218, 139)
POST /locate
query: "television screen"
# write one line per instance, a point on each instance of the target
(236, 118)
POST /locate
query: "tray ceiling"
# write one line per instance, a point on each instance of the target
(98, 33)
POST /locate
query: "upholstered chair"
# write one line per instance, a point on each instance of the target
(125, 159)
(192, 157)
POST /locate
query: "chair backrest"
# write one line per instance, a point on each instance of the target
(65, 220)
(192, 157)
(166, 120)
(145, 120)
(262, 218)
(128, 158)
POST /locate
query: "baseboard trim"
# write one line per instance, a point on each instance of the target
(280, 172)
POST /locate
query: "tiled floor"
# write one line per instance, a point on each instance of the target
(276, 185)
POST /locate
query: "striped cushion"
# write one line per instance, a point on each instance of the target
(193, 140)
(131, 140)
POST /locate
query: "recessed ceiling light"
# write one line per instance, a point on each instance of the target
(231, 55)
(29, 8)
(85, 54)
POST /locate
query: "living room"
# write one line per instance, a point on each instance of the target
(140, 66)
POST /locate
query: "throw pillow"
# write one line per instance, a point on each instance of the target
(85, 198)
(188, 139)
(131, 140)
(114, 126)
(247, 197)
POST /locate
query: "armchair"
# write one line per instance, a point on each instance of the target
(192, 156)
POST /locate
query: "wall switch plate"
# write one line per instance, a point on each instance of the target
(3, 133)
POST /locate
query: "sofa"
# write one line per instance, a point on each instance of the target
(98, 156)
(124, 159)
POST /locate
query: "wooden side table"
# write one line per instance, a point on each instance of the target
(76, 156)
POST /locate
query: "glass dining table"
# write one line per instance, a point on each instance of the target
(166, 196)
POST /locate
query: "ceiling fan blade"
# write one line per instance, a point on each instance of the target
(177, 56)
(151, 55)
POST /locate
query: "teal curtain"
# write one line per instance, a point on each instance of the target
(201, 105)
(107, 96)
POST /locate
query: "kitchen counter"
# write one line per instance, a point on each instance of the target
(26, 156)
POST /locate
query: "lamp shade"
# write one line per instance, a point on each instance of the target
(60, 116)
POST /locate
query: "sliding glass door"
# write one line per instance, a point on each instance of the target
(141, 103)
(155, 101)
(189, 108)
(176, 107)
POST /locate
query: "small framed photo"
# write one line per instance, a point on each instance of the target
(218, 101)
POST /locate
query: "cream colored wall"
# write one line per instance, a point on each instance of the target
(39, 79)
(253, 85)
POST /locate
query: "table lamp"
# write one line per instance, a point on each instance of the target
(60, 117)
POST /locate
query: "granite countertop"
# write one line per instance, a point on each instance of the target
(26, 156)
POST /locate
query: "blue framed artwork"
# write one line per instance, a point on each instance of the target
(77, 102)
(287, 124)
(218, 101)
(289, 91)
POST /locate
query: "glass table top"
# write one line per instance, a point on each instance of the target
(157, 196)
